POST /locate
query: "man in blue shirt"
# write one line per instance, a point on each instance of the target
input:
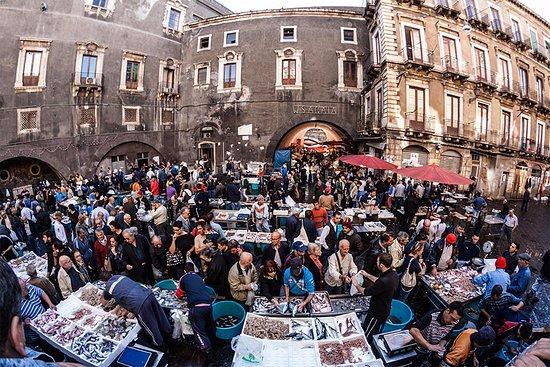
(298, 281)
(492, 278)
(520, 280)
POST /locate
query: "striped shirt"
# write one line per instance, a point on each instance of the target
(31, 306)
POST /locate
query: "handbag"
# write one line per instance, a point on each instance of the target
(174, 259)
(408, 280)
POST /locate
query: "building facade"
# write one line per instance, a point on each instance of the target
(465, 84)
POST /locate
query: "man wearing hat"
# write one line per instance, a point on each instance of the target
(298, 281)
(465, 345)
(299, 249)
(443, 254)
(492, 278)
(520, 281)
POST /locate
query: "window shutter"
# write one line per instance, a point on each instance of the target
(166, 20)
(448, 110)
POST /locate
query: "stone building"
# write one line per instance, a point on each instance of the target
(465, 84)
(86, 85)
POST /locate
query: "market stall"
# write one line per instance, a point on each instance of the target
(307, 341)
(20, 264)
(84, 330)
(452, 285)
(232, 219)
(249, 240)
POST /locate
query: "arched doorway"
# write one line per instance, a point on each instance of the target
(20, 171)
(451, 160)
(520, 179)
(536, 175)
(312, 138)
(122, 156)
(414, 156)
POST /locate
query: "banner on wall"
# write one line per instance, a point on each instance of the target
(282, 156)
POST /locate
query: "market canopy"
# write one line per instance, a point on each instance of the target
(434, 173)
(367, 161)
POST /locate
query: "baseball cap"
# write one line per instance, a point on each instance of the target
(485, 336)
(524, 256)
(451, 238)
(500, 263)
(299, 246)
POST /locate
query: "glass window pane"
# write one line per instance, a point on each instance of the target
(231, 38)
(173, 21)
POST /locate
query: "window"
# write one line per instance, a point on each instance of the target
(348, 35)
(202, 75)
(539, 85)
(168, 77)
(31, 72)
(534, 40)
(377, 48)
(230, 38)
(516, 30)
(525, 132)
(204, 43)
(289, 72)
(167, 116)
(100, 3)
(229, 72)
(450, 58)
(350, 74)
(523, 81)
(88, 68)
(86, 116)
(480, 58)
(506, 128)
(174, 19)
(32, 65)
(471, 10)
(504, 66)
(132, 72)
(28, 120)
(482, 121)
(413, 44)
(416, 106)
(133, 65)
(229, 75)
(288, 34)
(379, 106)
(452, 114)
(118, 158)
(540, 137)
(496, 24)
(130, 115)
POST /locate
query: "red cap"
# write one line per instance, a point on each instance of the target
(451, 238)
(327, 190)
(347, 223)
(501, 263)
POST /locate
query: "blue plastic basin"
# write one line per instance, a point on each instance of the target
(228, 308)
(401, 312)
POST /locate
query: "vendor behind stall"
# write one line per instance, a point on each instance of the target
(492, 278)
(200, 307)
(140, 301)
(298, 281)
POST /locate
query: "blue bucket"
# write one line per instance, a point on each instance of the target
(401, 312)
(228, 308)
(212, 293)
(167, 284)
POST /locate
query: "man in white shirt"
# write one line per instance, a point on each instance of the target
(59, 228)
(341, 270)
(510, 223)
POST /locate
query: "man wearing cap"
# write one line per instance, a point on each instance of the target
(465, 345)
(492, 278)
(341, 270)
(443, 254)
(520, 281)
(141, 302)
(298, 281)
(299, 249)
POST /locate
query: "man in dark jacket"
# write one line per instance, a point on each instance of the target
(218, 271)
(356, 247)
(136, 257)
(309, 226)
(277, 251)
(381, 292)
(43, 220)
(379, 246)
(233, 195)
(293, 225)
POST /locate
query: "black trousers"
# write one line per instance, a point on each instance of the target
(372, 326)
(203, 326)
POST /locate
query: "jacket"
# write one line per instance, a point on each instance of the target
(346, 266)
(232, 193)
(217, 274)
(519, 281)
(238, 279)
(293, 227)
(396, 252)
(318, 274)
(64, 282)
(310, 229)
(460, 351)
(492, 278)
(269, 253)
(370, 258)
(356, 247)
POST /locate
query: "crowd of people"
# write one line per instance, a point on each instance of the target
(162, 227)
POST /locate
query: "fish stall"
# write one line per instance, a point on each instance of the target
(452, 285)
(19, 265)
(81, 328)
(304, 341)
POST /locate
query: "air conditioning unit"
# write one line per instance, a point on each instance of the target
(90, 81)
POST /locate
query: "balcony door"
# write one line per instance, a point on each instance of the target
(413, 42)
(416, 107)
(450, 53)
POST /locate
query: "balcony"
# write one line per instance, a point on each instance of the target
(539, 53)
(507, 88)
(477, 19)
(373, 66)
(485, 79)
(485, 139)
(447, 8)
(87, 80)
(520, 41)
(527, 146)
(169, 89)
(453, 131)
(506, 144)
(418, 124)
(412, 2)
(370, 8)
(540, 150)
(418, 58)
(454, 69)
(501, 30)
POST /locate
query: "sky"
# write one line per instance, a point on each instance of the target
(541, 7)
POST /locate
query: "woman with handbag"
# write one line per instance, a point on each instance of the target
(412, 268)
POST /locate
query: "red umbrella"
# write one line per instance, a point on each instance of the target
(367, 161)
(434, 173)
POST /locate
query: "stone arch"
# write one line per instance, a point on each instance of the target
(22, 170)
(278, 136)
(415, 155)
(129, 150)
(60, 167)
(451, 160)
